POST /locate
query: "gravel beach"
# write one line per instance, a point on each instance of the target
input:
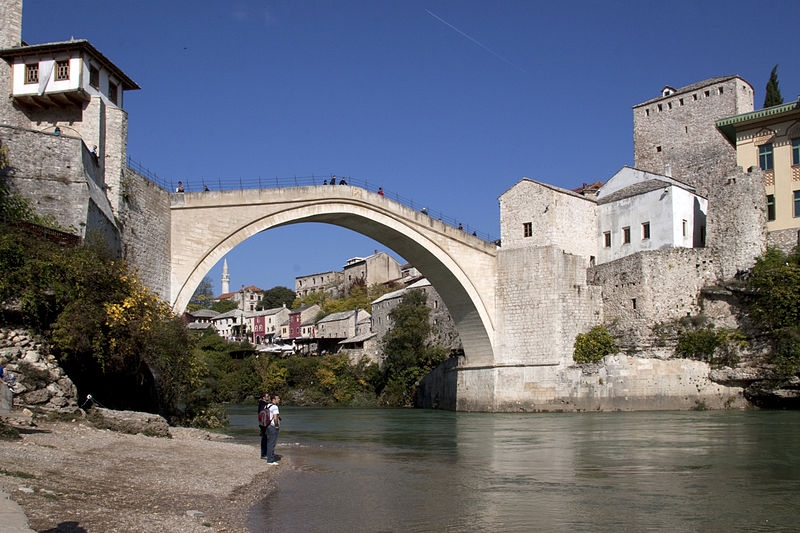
(72, 477)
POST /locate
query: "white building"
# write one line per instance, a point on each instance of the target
(632, 212)
(638, 211)
(231, 325)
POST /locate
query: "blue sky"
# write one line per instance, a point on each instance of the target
(446, 103)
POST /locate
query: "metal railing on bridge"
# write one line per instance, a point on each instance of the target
(228, 184)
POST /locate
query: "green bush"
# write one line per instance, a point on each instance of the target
(697, 344)
(593, 346)
(717, 346)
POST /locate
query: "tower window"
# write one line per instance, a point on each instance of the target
(626, 235)
(645, 230)
(32, 73)
(607, 239)
(527, 229)
(721, 90)
(62, 70)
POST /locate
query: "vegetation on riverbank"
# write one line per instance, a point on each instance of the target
(120, 343)
(236, 373)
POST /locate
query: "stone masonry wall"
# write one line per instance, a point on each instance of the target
(543, 302)
(51, 171)
(144, 217)
(786, 239)
(737, 220)
(643, 289)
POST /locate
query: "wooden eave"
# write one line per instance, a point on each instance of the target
(75, 97)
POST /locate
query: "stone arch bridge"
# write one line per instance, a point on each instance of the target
(207, 225)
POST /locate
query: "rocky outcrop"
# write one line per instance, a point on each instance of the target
(41, 383)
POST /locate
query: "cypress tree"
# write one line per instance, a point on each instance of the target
(773, 96)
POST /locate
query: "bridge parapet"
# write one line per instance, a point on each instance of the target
(251, 184)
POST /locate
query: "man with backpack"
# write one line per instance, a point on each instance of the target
(269, 422)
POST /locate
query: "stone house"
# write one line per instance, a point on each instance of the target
(770, 140)
(301, 322)
(231, 325)
(200, 319)
(443, 331)
(265, 325)
(363, 344)
(341, 325)
(638, 211)
(377, 268)
(329, 282)
(246, 298)
(632, 212)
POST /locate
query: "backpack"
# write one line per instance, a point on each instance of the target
(263, 416)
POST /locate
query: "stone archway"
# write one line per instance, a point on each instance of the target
(460, 266)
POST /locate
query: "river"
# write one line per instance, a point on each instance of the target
(404, 470)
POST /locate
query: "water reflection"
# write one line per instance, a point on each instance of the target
(406, 470)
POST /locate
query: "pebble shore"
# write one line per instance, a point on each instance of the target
(70, 476)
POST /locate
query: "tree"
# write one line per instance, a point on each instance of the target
(774, 286)
(276, 297)
(773, 96)
(407, 356)
(223, 306)
(203, 296)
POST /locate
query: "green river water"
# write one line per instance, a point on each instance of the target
(399, 470)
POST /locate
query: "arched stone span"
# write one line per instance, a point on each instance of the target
(206, 226)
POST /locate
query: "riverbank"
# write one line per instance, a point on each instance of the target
(72, 477)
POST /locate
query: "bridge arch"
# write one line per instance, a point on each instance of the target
(206, 226)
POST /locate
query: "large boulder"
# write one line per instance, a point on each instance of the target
(133, 422)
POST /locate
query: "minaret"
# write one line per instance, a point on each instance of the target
(226, 279)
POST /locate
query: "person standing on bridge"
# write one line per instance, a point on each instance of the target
(342, 182)
(380, 191)
(180, 187)
(333, 180)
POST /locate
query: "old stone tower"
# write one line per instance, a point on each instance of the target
(674, 134)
